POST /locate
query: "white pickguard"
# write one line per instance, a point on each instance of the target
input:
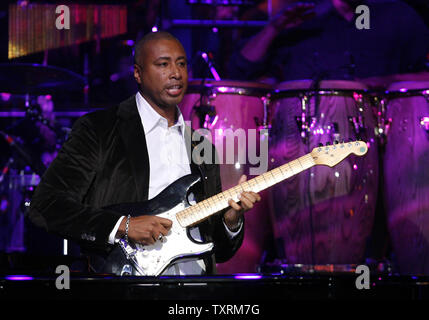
(153, 259)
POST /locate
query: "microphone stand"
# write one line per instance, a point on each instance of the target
(38, 167)
(210, 65)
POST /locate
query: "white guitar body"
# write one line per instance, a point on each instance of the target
(152, 260)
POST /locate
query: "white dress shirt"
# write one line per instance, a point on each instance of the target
(168, 161)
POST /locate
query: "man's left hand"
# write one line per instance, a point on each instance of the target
(247, 201)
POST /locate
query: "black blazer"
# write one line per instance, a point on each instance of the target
(103, 162)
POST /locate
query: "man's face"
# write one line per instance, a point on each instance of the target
(161, 72)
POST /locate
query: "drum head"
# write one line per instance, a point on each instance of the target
(404, 86)
(325, 84)
(228, 87)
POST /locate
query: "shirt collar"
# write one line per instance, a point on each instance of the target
(150, 118)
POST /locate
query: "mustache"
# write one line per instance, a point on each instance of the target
(174, 84)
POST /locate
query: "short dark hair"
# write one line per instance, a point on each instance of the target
(138, 48)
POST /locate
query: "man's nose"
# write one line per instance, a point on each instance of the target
(176, 73)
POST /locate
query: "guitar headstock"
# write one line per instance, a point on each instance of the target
(331, 155)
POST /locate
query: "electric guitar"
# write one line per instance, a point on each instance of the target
(172, 203)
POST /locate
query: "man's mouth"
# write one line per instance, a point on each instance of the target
(174, 90)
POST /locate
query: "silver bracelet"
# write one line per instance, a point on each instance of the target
(127, 224)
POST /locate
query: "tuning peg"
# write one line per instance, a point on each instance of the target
(336, 142)
(328, 143)
(320, 144)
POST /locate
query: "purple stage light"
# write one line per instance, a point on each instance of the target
(114, 77)
(5, 96)
(425, 122)
(214, 121)
(19, 277)
(247, 276)
(4, 204)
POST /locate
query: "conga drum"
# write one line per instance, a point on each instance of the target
(323, 215)
(218, 106)
(406, 175)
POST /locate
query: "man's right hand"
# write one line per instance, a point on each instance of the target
(145, 229)
(293, 15)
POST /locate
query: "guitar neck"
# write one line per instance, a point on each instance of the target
(204, 209)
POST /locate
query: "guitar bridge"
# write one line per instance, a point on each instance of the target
(130, 254)
(128, 250)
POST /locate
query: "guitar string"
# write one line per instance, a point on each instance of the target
(200, 208)
(233, 192)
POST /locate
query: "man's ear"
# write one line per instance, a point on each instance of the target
(137, 75)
